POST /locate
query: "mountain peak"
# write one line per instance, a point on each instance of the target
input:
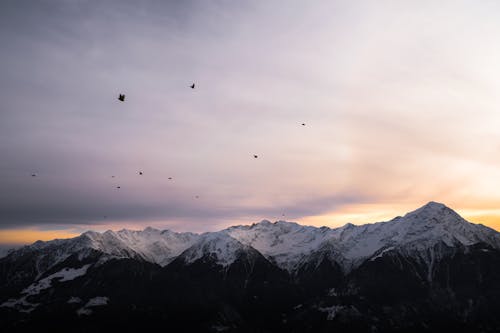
(434, 206)
(435, 203)
(434, 211)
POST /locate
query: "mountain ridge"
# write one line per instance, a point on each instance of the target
(423, 271)
(287, 244)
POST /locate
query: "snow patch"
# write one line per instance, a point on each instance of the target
(332, 292)
(380, 254)
(93, 302)
(73, 300)
(66, 274)
(23, 305)
(332, 311)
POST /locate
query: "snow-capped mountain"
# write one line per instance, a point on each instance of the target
(152, 245)
(286, 244)
(289, 244)
(413, 234)
(219, 246)
(159, 247)
(417, 272)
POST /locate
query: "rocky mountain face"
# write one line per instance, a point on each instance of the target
(427, 271)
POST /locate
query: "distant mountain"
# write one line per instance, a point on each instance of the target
(426, 271)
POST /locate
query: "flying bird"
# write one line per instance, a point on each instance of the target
(140, 173)
(121, 98)
(192, 86)
(303, 124)
(33, 175)
(255, 156)
(169, 177)
(118, 187)
(197, 196)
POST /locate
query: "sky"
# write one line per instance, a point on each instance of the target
(399, 100)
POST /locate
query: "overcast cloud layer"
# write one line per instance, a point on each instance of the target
(400, 101)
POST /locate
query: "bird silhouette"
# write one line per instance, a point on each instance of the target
(169, 177)
(255, 156)
(303, 124)
(121, 98)
(33, 175)
(197, 196)
(112, 176)
(192, 86)
(118, 187)
(140, 173)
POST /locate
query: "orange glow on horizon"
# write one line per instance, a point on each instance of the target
(27, 236)
(488, 218)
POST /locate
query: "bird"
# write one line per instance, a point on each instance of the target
(112, 176)
(121, 98)
(118, 187)
(33, 175)
(192, 86)
(169, 177)
(303, 124)
(140, 173)
(255, 156)
(197, 196)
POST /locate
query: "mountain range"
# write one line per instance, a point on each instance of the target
(426, 271)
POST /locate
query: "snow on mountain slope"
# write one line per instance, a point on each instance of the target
(153, 245)
(417, 230)
(285, 243)
(22, 304)
(290, 244)
(66, 274)
(217, 245)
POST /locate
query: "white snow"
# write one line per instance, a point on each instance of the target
(423, 234)
(218, 245)
(74, 299)
(414, 234)
(66, 274)
(332, 292)
(290, 244)
(153, 245)
(332, 311)
(97, 301)
(23, 305)
(287, 244)
(381, 253)
(84, 312)
(93, 302)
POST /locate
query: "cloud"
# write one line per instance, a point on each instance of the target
(399, 102)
